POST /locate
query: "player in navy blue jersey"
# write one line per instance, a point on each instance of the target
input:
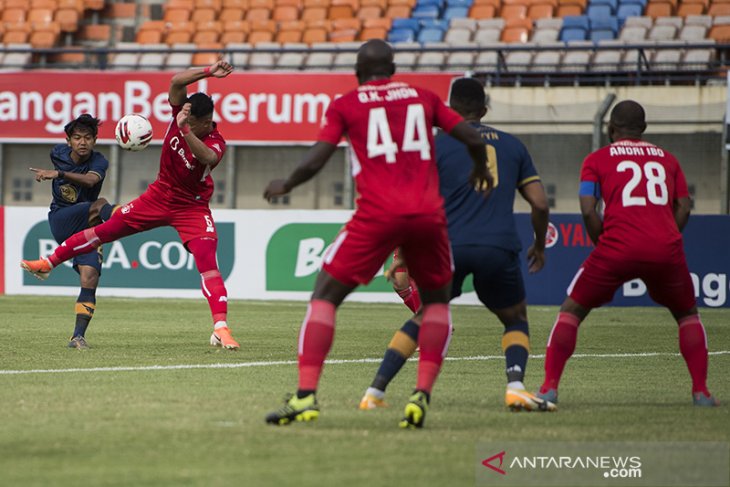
(484, 242)
(76, 182)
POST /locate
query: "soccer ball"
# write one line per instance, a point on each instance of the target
(133, 132)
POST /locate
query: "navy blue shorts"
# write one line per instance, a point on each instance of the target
(497, 275)
(68, 221)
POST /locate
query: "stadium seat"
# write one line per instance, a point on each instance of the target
(382, 4)
(607, 60)
(549, 23)
(666, 59)
(518, 61)
(677, 22)
(487, 36)
(541, 9)
(68, 19)
(645, 22)
(719, 33)
(369, 12)
(406, 59)
(662, 33)
(239, 55)
(321, 60)
(704, 20)
(231, 14)
(13, 16)
(43, 39)
(603, 28)
(126, 60)
(344, 61)
(633, 60)
(513, 11)
(597, 11)
(314, 35)
(216, 5)
(455, 12)
(659, 9)
(463, 23)
(697, 59)
(547, 61)
(425, 12)
(568, 10)
(517, 30)
(483, 11)
(430, 34)
(179, 60)
(686, 9)
(398, 12)
(576, 61)
(206, 37)
(292, 57)
(431, 60)
(77, 5)
(263, 60)
(152, 61)
(574, 28)
(174, 15)
(495, 23)
(542, 36)
(461, 60)
(626, 10)
(631, 33)
(95, 34)
(256, 14)
(458, 36)
(488, 59)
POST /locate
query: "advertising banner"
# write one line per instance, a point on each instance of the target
(251, 108)
(277, 254)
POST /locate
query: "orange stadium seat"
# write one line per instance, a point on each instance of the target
(720, 33)
(236, 26)
(206, 37)
(263, 25)
(75, 58)
(269, 4)
(183, 4)
(340, 12)
(381, 23)
(229, 14)
(209, 26)
(398, 12)
(255, 14)
(513, 11)
(410, 3)
(483, 12)
(233, 37)
(216, 5)
(176, 15)
(369, 12)
(718, 9)
(13, 16)
(316, 31)
(203, 15)
(686, 9)
(284, 13)
(118, 10)
(317, 3)
(16, 33)
(43, 39)
(152, 34)
(373, 33)
(242, 4)
(259, 36)
(659, 8)
(345, 30)
(40, 15)
(16, 4)
(180, 33)
(94, 5)
(314, 13)
(95, 32)
(383, 4)
(77, 5)
(516, 30)
(68, 19)
(568, 9)
(206, 58)
(290, 31)
(541, 9)
(51, 5)
(290, 3)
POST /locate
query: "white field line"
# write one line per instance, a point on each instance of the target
(294, 362)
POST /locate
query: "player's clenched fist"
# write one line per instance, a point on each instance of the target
(182, 117)
(277, 187)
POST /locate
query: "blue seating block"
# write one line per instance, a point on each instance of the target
(573, 34)
(401, 35)
(626, 10)
(599, 10)
(412, 24)
(455, 12)
(602, 34)
(430, 34)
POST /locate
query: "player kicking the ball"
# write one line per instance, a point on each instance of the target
(179, 197)
(389, 126)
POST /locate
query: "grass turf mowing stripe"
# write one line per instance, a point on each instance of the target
(329, 362)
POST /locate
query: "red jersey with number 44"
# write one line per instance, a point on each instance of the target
(389, 125)
(639, 183)
(182, 178)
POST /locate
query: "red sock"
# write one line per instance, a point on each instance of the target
(693, 345)
(315, 340)
(89, 239)
(433, 340)
(214, 290)
(560, 347)
(410, 296)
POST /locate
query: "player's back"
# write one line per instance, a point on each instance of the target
(389, 125)
(639, 183)
(474, 220)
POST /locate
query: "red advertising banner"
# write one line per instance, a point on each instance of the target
(251, 108)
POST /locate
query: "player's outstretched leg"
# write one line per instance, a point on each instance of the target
(693, 345)
(315, 340)
(560, 347)
(433, 341)
(401, 348)
(214, 290)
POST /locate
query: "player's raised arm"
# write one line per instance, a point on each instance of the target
(178, 92)
(313, 161)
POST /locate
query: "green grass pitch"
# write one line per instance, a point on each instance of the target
(204, 426)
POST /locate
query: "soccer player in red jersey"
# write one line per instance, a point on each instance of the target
(646, 206)
(179, 197)
(389, 126)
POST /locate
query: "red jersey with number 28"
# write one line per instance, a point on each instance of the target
(389, 125)
(639, 183)
(182, 178)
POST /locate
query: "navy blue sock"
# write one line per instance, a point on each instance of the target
(515, 343)
(106, 211)
(85, 306)
(401, 347)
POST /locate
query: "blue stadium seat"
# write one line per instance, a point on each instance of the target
(401, 35)
(600, 10)
(633, 2)
(430, 34)
(605, 23)
(459, 3)
(626, 10)
(412, 24)
(455, 12)
(575, 28)
(611, 3)
(439, 3)
(601, 35)
(435, 24)
(426, 12)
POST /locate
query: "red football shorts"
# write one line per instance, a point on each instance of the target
(362, 246)
(150, 211)
(668, 283)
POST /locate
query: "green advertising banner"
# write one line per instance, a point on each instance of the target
(155, 259)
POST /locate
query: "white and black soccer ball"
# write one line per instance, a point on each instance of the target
(133, 132)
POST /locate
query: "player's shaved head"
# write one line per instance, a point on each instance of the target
(628, 120)
(467, 97)
(374, 60)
